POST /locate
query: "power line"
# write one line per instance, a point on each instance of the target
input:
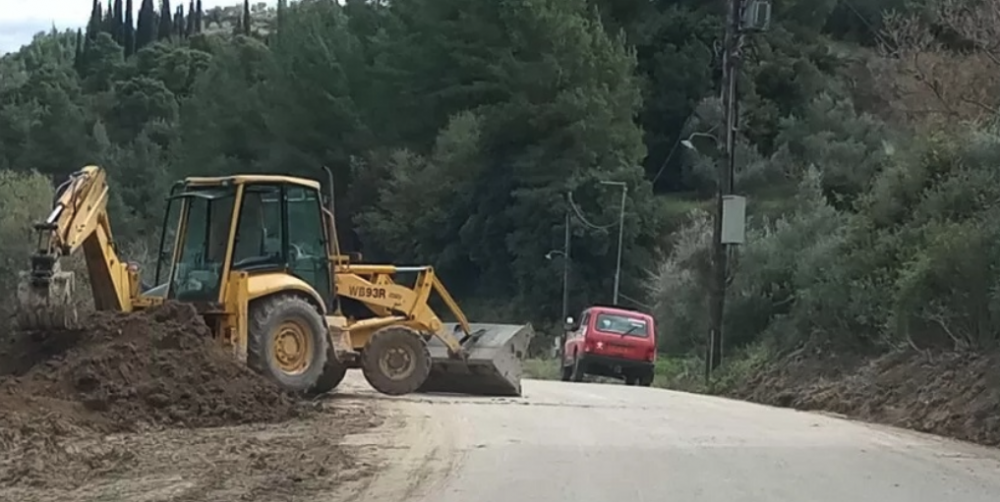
(583, 219)
(874, 31)
(677, 142)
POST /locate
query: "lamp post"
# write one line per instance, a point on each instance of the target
(565, 280)
(743, 17)
(717, 303)
(565, 271)
(621, 234)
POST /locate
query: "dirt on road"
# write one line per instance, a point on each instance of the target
(952, 394)
(147, 407)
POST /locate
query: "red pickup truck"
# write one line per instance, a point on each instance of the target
(610, 342)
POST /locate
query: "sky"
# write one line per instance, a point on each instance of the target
(21, 19)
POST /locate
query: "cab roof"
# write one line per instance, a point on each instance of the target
(617, 310)
(240, 179)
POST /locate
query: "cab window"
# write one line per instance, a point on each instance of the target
(197, 275)
(307, 246)
(259, 232)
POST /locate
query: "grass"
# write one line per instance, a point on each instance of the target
(541, 369)
(672, 373)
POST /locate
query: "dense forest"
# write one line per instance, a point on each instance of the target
(867, 149)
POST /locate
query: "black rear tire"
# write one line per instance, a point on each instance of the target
(278, 317)
(396, 361)
(333, 373)
(647, 379)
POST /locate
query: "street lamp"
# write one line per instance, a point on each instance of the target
(621, 233)
(689, 144)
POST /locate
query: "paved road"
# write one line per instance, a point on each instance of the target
(601, 443)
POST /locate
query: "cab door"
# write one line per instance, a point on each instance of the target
(575, 339)
(281, 229)
(308, 248)
(202, 243)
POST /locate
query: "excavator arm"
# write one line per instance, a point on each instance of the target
(78, 221)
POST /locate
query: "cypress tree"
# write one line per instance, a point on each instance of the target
(129, 29)
(145, 30)
(78, 52)
(94, 25)
(166, 27)
(246, 17)
(189, 29)
(108, 21)
(199, 25)
(179, 23)
(119, 33)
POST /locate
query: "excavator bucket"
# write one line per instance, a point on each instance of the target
(493, 366)
(45, 300)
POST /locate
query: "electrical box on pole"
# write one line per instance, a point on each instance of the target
(756, 16)
(734, 219)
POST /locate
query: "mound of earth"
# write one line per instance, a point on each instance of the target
(129, 372)
(949, 393)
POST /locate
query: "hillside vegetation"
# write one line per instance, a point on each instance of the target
(868, 151)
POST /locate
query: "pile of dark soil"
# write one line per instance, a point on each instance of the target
(946, 393)
(130, 372)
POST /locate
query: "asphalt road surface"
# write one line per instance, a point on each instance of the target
(586, 442)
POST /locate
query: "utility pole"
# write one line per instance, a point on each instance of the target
(743, 16)
(565, 291)
(724, 187)
(567, 233)
(621, 234)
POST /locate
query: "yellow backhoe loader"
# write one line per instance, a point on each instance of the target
(258, 258)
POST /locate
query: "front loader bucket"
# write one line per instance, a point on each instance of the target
(493, 367)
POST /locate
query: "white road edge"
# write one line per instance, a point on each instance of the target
(585, 442)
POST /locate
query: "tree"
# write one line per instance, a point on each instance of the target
(119, 24)
(180, 24)
(166, 26)
(554, 100)
(129, 35)
(146, 28)
(94, 25)
(245, 20)
(923, 80)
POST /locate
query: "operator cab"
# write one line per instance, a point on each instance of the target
(253, 224)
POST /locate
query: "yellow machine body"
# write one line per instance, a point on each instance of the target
(257, 256)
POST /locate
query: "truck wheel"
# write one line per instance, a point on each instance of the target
(396, 360)
(647, 379)
(565, 371)
(577, 374)
(333, 373)
(630, 380)
(287, 342)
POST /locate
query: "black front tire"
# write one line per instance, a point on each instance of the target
(565, 371)
(396, 346)
(578, 369)
(267, 318)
